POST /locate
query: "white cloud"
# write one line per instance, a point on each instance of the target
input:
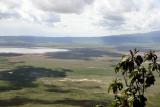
(8, 9)
(78, 17)
(130, 15)
(24, 9)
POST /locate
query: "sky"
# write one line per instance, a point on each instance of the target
(78, 17)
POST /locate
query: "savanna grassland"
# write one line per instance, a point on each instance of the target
(71, 79)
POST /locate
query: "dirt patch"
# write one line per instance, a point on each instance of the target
(80, 80)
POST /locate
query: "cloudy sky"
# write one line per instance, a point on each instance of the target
(78, 17)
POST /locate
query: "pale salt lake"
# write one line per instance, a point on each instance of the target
(34, 50)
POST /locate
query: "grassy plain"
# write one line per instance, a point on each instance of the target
(44, 81)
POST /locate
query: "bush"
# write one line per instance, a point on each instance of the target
(137, 73)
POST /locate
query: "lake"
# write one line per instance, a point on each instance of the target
(33, 50)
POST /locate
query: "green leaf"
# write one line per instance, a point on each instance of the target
(134, 73)
(139, 60)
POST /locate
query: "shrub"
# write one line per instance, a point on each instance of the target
(136, 73)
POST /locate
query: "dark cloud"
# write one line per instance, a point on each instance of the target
(112, 21)
(62, 6)
(9, 15)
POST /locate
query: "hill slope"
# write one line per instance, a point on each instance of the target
(142, 38)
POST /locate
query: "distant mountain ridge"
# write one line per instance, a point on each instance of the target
(151, 37)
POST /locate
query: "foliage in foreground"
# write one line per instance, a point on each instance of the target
(137, 71)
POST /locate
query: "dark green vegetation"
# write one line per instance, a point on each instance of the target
(137, 72)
